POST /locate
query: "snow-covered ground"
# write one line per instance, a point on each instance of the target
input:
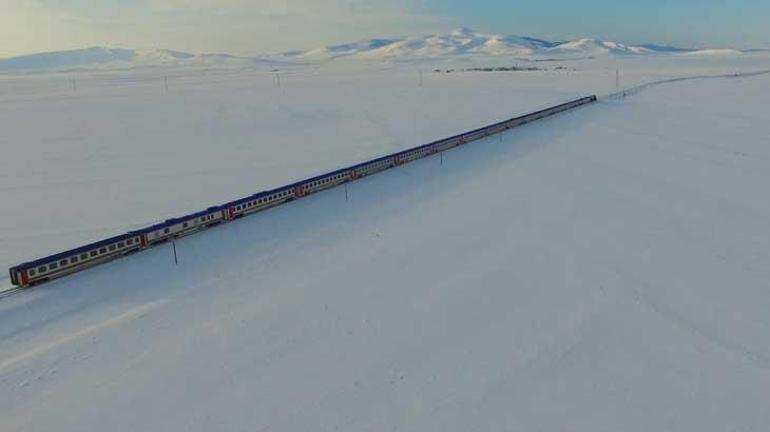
(603, 270)
(126, 152)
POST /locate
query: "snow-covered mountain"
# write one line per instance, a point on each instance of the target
(466, 42)
(459, 43)
(116, 58)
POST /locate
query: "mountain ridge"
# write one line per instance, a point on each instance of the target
(459, 43)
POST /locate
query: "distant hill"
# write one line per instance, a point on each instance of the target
(100, 57)
(459, 43)
(467, 42)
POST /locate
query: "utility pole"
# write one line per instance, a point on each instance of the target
(173, 245)
(346, 191)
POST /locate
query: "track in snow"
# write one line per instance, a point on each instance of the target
(641, 87)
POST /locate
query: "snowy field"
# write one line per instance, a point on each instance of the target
(126, 152)
(602, 270)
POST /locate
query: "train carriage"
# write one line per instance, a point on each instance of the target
(64, 263)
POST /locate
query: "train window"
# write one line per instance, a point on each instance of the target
(130, 242)
(166, 231)
(103, 250)
(184, 225)
(73, 260)
(93, 253)
(42, 269)
(53, 266)
(121, 244)
(84, 256)
(32, 272)
(112, 247)
(63, 262)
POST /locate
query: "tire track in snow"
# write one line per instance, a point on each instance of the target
(131, 314)
(754, 357)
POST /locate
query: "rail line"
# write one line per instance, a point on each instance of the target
(10, 291)
(81, 258)
(641, 87)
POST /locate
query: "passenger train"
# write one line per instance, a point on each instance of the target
(71, 261)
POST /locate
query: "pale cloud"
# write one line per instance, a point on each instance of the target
(238, 26)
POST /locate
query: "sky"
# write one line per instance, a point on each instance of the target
(250, 27)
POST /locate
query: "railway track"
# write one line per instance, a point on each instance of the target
(641, 87)
(64, 263)
(7, 292)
